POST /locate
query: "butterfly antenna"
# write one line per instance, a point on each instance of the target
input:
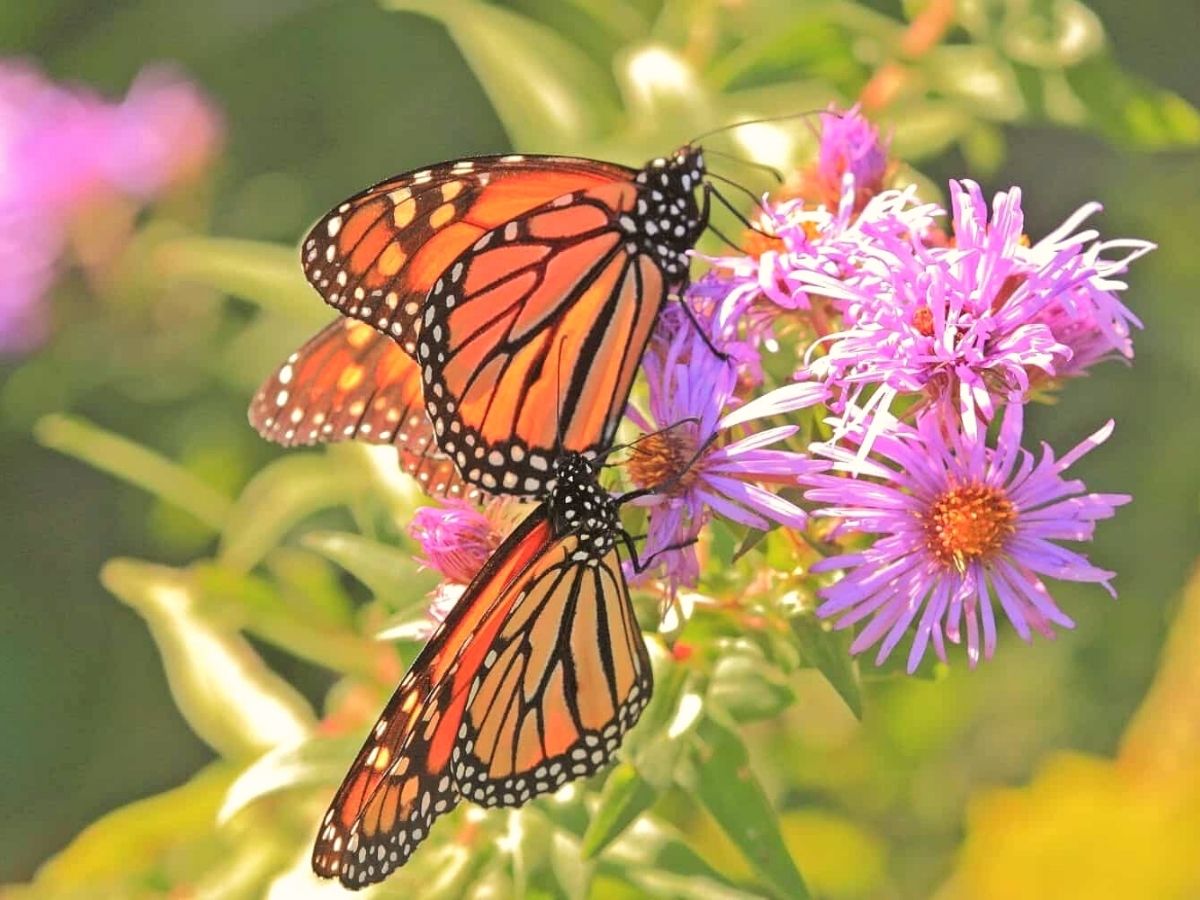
(695, 420)
(733, 157)
(761, 121)
(669, 484)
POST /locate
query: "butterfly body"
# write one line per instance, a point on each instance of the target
(532, 680)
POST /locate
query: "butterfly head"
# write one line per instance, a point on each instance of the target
(668, 218)
(580, 506)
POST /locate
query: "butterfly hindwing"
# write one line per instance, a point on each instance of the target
(565, 678)
(351, 383)
(532, 339)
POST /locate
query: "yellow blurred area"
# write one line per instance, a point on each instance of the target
(1099, 828)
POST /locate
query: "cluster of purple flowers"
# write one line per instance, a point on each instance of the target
(63, 149)
(916, 337)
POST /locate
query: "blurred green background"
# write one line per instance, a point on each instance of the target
(322, 97)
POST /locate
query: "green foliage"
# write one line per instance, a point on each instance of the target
(309, 556)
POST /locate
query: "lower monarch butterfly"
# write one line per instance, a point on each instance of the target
(477, 267)
(531, 681)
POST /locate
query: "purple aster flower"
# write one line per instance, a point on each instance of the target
(457, 539)
(961, 529)
(810, 245)
(691, 453)
(971, 322)
(60, 149)
(851, 159)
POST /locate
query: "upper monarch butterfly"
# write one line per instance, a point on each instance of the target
(478, 267)
(531, 681)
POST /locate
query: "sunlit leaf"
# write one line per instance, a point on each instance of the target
(626, 796)
(729, 791)
(815, 44)
(979, 76)
(278, 498)
(829, 652)
(135, 837)
(1052, 35)
(748, 687)
(389, 572)
(256, 605)
(317, 761)
(265, 274)
(136, 465)
(548, 94)
(229, 696)
(1133, 112)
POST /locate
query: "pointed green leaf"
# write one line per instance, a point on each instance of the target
(392, 574)
(267, 275)
(317, 761)
(737, 802)
(135, 464)
(229, 696)
(547, 92)
(279, 497)
(1133, 112)
(257, 606)
(829, 652)
(626, 796)
(132, 840)
(746, 686)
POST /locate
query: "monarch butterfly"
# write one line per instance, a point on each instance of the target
(348, 382)
(531, 681)
(476, 268)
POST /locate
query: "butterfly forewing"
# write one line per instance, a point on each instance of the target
(376, 256)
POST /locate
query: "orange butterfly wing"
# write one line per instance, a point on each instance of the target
(532, 681)
(564, 679)
(376, 256)
(401, 779)
(532, 340)
(351, 383)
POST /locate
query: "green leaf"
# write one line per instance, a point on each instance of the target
(135, 464)
(131, 842)
(1133, 112)
(626, 796)
(279, 497)
(815, 45)
(390, 573)
(229, 696)
(727, 788)
(829, 652)
(318, 761)
(267, 275)
(746, 686)
(258, 606)
(548, 93)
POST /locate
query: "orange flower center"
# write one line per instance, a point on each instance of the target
(969, 522)
(923, 320)
(660, 459)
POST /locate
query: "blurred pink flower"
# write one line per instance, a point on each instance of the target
(61, 148)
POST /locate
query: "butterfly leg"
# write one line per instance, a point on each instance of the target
(640, 565)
